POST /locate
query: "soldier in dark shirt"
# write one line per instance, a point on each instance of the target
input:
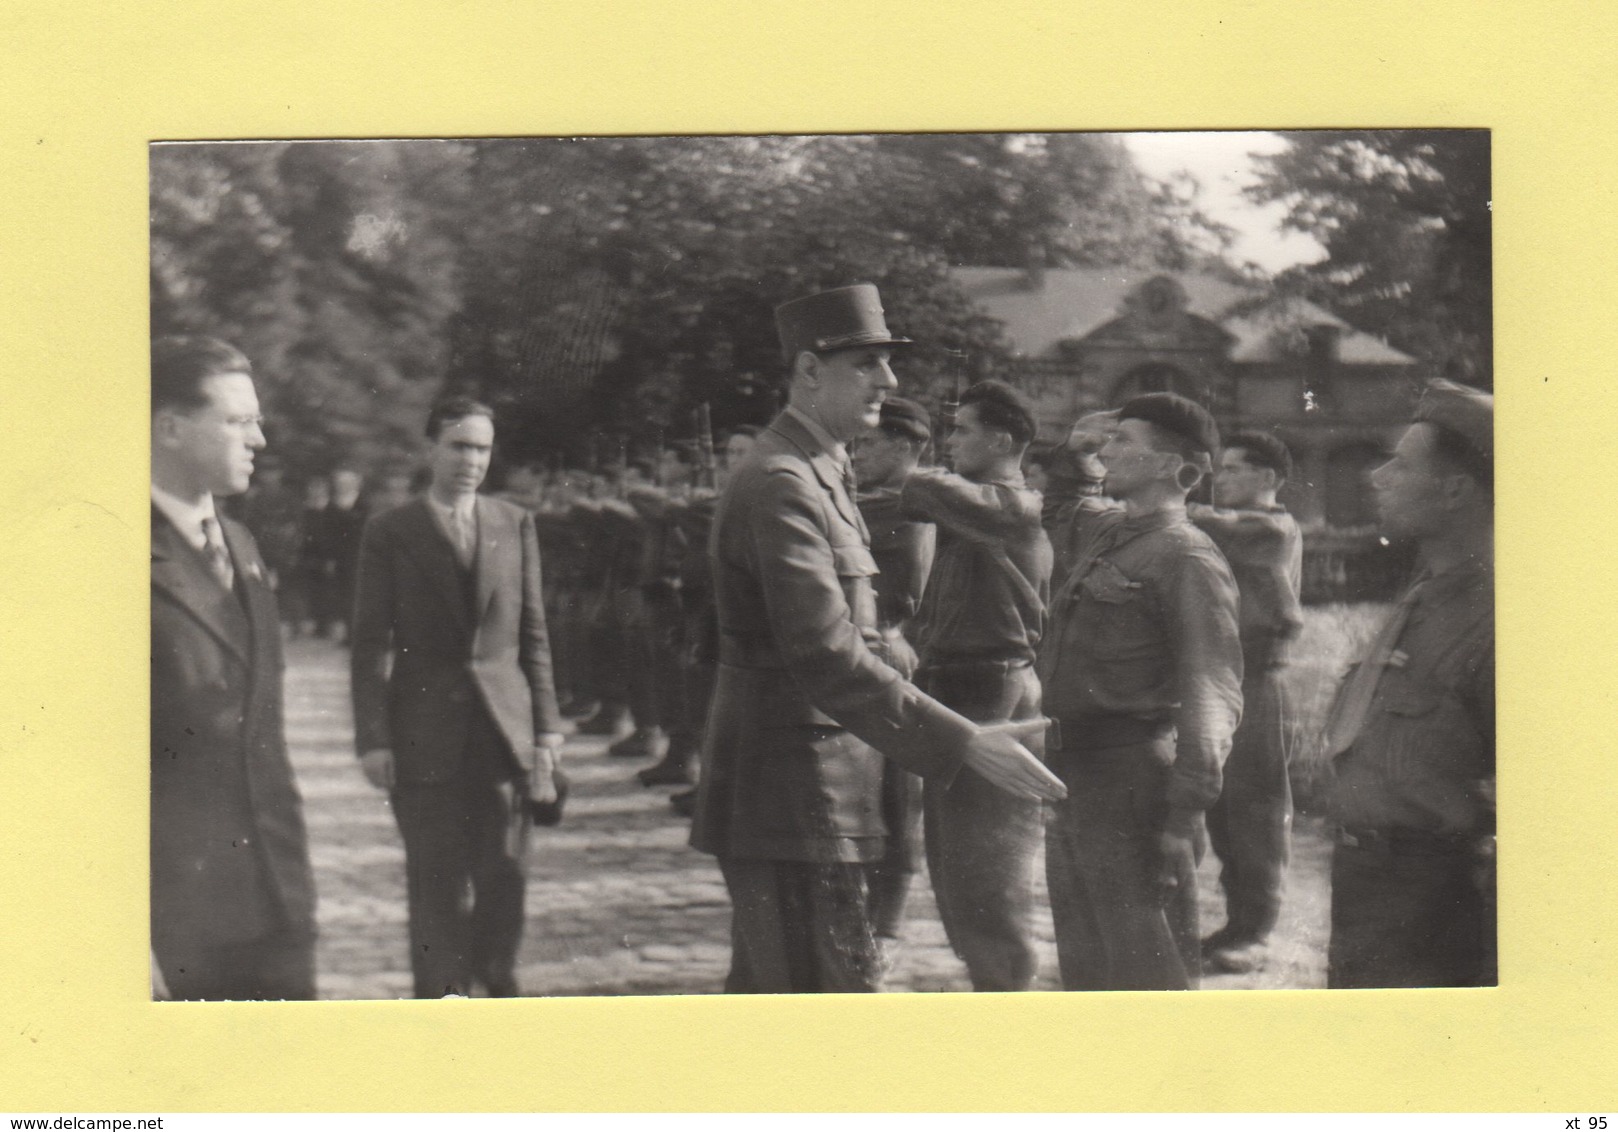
(1250, 826)
(1142, 671)
(1412, 729)
(979, 624)
(903, 548)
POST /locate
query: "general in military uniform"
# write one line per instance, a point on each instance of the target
(790, 799)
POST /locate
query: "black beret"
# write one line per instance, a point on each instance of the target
(900, 414)
(1181, 416)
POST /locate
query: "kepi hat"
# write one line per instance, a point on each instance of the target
(839, 319)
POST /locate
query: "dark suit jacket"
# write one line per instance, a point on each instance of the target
(459, 642)
(791, 773)
(230, 859)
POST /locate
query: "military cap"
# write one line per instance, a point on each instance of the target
(1462, 410)
(839, 319)
(902, 415)
(1181, 416)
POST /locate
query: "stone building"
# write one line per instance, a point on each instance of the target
(1090, 338)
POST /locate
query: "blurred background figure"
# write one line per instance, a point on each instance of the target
(1250, 825)
(903, 547)
(701, 635)
(345, 522)
(315, 561)
(274, 514)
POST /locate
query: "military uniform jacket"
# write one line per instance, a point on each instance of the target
(802, 705)
(460, 641)
(230, 858)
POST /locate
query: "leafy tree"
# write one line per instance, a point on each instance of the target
(333, 265)
(1404, 216)
(624, 280)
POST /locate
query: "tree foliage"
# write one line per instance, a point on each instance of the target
(1404, 216)
(611, 284)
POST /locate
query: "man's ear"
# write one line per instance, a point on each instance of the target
(807, 365)
(165, 428)
(1459, 490)
(1188, 476)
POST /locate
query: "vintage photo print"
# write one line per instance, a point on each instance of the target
(785, 564)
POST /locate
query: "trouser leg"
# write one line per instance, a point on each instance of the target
(1117, 926)
(888, 880)
(465, 841)
(1250, 826)
(799, 928)
(437, 881)
(280, 966)
(981, 842)
(1408, 921)
(500, 833)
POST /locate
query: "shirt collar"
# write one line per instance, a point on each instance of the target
(1154, 521)
(462, 509)
(825, 439)
(186, 517)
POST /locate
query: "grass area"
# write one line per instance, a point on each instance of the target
(1333, 637)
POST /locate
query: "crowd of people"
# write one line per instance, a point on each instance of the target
(850, 653)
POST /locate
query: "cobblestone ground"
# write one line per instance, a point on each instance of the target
(618, 904)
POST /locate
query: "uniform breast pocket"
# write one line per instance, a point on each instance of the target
(855, 568)
(1118, 614)
(853, 560)
(1424, 732)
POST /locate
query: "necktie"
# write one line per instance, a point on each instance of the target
(465, 535)
(1353, 703)
(218, 556)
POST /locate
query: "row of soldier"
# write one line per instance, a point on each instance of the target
(861, 669)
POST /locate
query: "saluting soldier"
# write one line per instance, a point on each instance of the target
(790, 797)
(1249, 827)
(978, 628)
(1142, 668)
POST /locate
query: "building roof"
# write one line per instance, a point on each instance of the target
(1040, 310)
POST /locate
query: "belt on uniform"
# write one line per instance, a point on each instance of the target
(1401, 841)
(1078, 732)
(975, 663)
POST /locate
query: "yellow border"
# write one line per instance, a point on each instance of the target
(84, 86)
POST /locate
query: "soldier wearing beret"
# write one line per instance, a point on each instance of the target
(1411, 732)
(1249, 828)
(903, 548)
(978, 628)
(805, 710)
(1142, 669)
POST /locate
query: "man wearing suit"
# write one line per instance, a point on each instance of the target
(231, 889)
(790, 799)
(463, 731)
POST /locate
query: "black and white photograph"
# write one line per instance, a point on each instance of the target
(780, 564)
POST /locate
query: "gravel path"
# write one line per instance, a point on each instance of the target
(618, 904)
